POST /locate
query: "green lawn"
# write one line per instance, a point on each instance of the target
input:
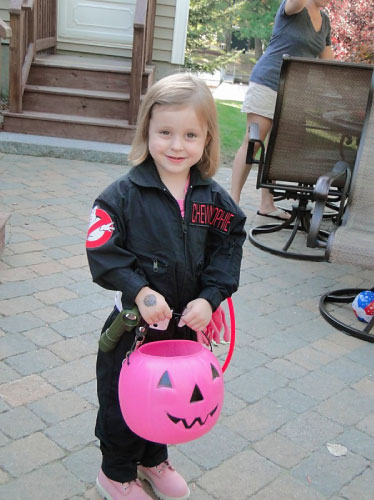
(232, 124)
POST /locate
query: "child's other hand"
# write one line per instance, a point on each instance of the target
(152, 306)
(197, 315)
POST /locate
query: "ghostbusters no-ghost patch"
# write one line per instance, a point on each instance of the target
(100, 229)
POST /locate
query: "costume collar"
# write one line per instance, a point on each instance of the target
(146, 175)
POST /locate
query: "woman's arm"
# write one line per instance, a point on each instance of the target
(327, 53)
(294, 6)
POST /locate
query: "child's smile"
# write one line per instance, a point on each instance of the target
(176, 159)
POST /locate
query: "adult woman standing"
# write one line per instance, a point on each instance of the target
(301, 29)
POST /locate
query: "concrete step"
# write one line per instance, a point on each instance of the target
(59, 147)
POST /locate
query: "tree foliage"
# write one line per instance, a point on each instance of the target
(209, 26)
(352, 29)
(212, 23)
(256, 18)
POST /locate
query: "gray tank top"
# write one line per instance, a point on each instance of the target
(293, 35)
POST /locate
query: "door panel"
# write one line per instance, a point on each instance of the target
(106, 23)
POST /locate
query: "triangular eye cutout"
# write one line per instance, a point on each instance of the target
(215, 373)
(165, 381)
(196, 395)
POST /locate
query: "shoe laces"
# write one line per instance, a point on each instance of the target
(126, 486)
(164, 465)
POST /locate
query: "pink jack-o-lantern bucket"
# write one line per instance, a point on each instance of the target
(171, 391)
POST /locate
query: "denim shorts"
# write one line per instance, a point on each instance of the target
(260, 100)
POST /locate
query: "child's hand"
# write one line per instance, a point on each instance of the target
(197, 315)
(152, 306)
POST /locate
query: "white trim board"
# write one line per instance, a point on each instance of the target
(180, 31)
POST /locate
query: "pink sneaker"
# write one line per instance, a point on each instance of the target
(165, 481)
(113, 490)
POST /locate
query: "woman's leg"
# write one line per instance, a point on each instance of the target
(241, 170)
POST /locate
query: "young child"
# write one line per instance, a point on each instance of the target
(169, 239)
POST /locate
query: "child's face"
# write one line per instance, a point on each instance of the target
(177, 137)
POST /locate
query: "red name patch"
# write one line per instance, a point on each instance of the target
(101, 228)
(205, 214)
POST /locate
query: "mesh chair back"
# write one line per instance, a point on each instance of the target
(318, 120)
(354, 241)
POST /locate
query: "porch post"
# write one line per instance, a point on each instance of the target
(16, 60)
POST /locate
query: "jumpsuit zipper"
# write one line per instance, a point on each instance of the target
(184, 230)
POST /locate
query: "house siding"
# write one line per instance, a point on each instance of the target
(4, 14)
(4, 10)
(164, 30)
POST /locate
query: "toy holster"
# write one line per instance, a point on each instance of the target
(126, 321)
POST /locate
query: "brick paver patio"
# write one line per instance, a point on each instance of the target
(294, 385)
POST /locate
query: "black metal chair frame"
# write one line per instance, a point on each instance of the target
(345, 295)
(304, 193)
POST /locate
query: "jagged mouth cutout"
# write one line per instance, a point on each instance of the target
(165, 381)
(198, 420)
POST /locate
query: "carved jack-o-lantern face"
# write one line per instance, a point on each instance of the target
(172, 391)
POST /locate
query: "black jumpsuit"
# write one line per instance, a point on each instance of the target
(137, 237)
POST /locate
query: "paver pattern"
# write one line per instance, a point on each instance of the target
(294, 385)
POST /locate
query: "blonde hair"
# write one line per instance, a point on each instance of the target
(178, 90)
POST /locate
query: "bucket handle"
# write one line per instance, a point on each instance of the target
(233, 336)
(141, 331)
(232, 340)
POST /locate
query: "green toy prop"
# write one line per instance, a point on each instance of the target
(126, 321)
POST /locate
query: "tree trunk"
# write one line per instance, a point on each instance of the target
(228, 41)
(258, 48)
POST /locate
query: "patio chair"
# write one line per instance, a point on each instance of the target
(317, 125)
(353, 241)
